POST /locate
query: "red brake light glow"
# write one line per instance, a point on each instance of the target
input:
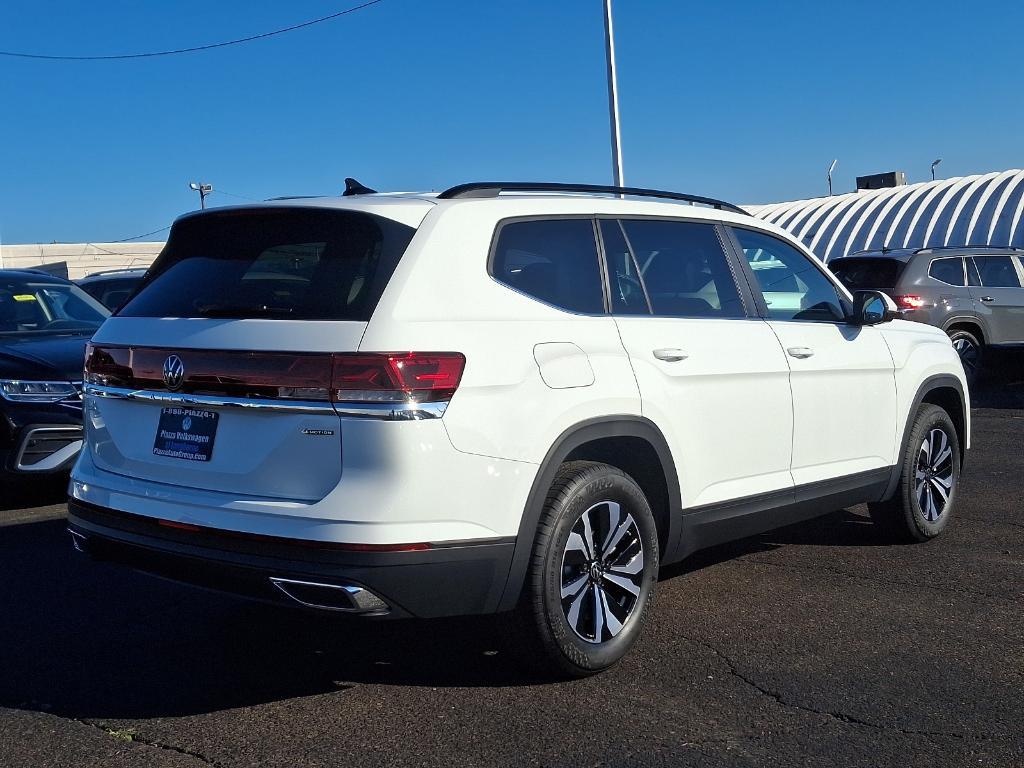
(909, 302)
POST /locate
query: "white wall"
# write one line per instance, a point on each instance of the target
(82, 258)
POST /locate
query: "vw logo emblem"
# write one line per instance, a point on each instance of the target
(174, 372)
(186, 424)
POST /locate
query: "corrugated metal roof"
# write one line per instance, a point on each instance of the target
(985, 209)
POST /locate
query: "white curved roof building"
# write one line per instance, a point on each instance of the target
(971, 210)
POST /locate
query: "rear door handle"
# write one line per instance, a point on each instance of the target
(800, 352)
(987, 298)
(670, 354)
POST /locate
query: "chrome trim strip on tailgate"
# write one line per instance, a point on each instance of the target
(398, 411)
(210, 401)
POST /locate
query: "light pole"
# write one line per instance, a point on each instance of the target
(613, 95)
(203, 190)
(933, 167)
(830, 169)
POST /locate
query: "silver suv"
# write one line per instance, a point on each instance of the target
(974, 293)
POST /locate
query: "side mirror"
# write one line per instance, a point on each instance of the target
(872, 308)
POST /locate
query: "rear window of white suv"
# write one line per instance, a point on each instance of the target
(288, 264)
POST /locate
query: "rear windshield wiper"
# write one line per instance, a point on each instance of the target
(242, 312)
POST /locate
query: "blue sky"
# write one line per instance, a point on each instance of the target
(748, 101)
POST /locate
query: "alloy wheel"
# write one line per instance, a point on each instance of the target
(969, 354)
(933, 478)
(602, 572)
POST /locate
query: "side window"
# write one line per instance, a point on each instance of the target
(793, 287)
(684, 269)
(627, 291)
(554, 260)
(997, 271)
(948, 271)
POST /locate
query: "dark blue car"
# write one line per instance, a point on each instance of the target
(45, 323)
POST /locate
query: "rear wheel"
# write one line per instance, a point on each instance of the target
(593, 569)
(926, 495)
(970, 350)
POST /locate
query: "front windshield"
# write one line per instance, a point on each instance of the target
(30, 306)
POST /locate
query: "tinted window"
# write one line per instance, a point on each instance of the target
(684, 268)
(997, 271)
(867, 273)
(794, 288)
(973, 276)
(112, 293)
(949, 271)
(35, 307)
(554, 260)
(627, 291)
(289, 264)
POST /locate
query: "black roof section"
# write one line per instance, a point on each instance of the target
(485, 189)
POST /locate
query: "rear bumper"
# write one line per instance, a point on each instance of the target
(446, 580)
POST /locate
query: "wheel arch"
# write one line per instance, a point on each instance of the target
(970, 323)
(945, 391)
(597, 440)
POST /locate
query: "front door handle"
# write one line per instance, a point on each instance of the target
(800, 352)
(987, 298)
(669, 354)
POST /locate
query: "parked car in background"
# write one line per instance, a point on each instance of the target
(45, 322)
(472, 402)
(973, 294)
(111, 288)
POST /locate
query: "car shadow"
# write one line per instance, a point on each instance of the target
(1001, 383)
(91, 640)
(18, 493)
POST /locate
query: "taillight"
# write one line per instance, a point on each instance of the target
(420, 377)
(397, 377)
(909, 302)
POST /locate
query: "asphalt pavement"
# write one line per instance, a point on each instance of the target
(816, 645)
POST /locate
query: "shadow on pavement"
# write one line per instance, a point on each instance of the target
(1001, 384)
(23, 493)
(90, 640)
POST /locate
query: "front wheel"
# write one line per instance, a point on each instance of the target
(593, 569)
(926, 495)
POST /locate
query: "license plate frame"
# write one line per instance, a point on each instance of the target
(186, 433)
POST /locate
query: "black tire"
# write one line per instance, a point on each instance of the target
(586, 494)
(971, 352)
(923, 505)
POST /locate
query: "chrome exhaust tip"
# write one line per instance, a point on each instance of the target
(346, 598)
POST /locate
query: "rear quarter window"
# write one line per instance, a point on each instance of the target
(288, 264)
(553, 260)
(949, 270)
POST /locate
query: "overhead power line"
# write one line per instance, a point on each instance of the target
(139, 237)
(194, 49)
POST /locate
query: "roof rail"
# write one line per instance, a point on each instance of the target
(931, 248)
(483, 189)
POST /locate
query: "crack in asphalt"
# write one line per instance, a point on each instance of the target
(848, 574)
(138, 739)
(839, 716)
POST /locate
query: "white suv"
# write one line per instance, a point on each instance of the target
(504, 397)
